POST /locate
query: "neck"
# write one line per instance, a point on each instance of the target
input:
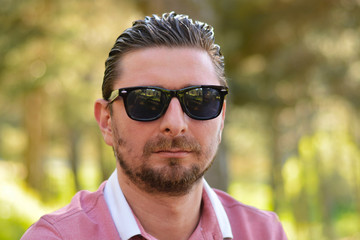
(162, 216)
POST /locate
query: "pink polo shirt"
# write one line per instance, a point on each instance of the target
(92, 215)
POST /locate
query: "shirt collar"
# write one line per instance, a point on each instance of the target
(221, 215)
(120, 210)
(125, 221)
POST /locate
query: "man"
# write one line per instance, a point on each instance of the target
(163, 112)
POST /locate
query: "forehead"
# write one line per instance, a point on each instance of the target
(171, 68)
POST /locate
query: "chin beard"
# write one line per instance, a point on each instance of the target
(169, 180)
(173, 179)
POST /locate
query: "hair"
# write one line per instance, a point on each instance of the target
(170, 30)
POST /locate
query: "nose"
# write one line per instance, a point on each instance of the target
(173, 122)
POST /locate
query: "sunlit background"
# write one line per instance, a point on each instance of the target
(292, 135)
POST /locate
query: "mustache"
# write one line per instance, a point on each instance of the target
(162, 143)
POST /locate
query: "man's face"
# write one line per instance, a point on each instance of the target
(170, 154)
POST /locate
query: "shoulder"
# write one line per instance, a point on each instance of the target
(251, 222)
(83, 203)
(86, 213)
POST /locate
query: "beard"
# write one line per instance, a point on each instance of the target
(172, 179)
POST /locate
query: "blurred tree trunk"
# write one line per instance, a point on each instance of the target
(326, 199)
(74, 140)
(356, 164)
(356, 174)
(276, 164)
(34, 124)
(356, 161)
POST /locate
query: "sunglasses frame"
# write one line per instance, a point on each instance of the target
(179, 94)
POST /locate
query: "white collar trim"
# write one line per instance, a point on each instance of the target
(221, 215)
(124, 219)
(120, 210)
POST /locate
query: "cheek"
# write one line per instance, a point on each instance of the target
(209, 133)
(135, 136)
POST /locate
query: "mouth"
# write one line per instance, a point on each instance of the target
(173, 153)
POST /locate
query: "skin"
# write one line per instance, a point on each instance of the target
(165, 215)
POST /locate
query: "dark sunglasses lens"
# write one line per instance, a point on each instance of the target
(145, 104)
(203, 103)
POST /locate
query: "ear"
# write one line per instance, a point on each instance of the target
(103, 118)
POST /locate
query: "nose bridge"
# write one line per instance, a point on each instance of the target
(173, 121)
(175, 94)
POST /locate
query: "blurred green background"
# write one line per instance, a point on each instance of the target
(292, 137)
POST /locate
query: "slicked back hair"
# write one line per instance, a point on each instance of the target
(170, 30)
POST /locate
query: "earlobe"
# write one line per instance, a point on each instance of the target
(103, 118)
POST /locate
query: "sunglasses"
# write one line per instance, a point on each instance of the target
(150, 103)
